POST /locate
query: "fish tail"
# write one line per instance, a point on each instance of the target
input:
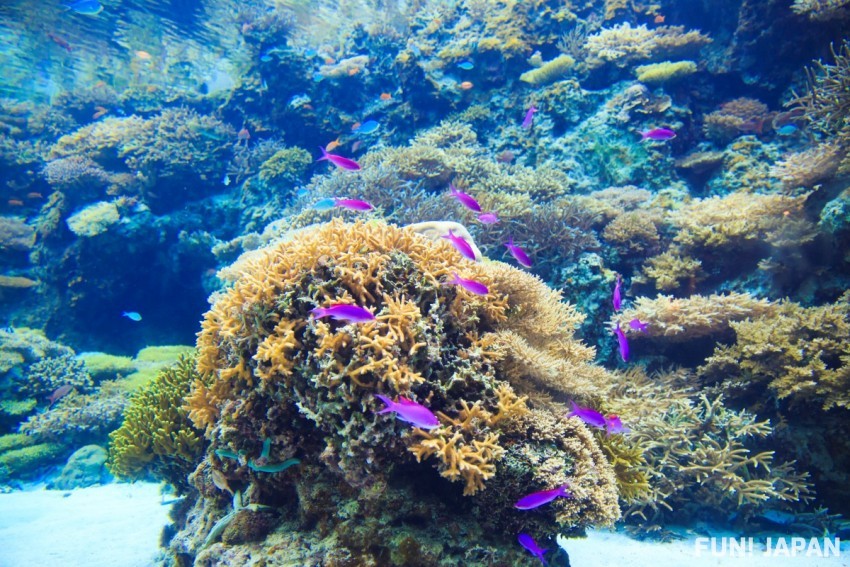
(562, 490)
(319, 312)
(324, 154)
(387, 401)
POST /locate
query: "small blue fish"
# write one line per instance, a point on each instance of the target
(265, 58)
(273, 468)
(86, 7)
(466, 65)
(786, 130)
(318, 77)
(367, 127)
(132, 316)
(325, 204)
(226, 180)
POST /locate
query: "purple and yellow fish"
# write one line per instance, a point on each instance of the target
(344, 312)
(537, 499)
(410, 411)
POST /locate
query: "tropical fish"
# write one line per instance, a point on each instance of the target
(132, 316)
(353, 204)
(339, 161)
(786, 130)
(226, 180)
(638, 325)
(658, 134)
(466, 85)
(528, 542)
(34, 195)
(461, 245)
(243, 135)
(59, 393)
(273, 468)
(529, 117)
(344, 312)
(614, 425)
(623, 342)
(471, 286)
(367, 127)
(267, 448)
(15, 203)
(86, 7)
(385, 96)
(537, 499)
(588, 415)
(659, 19)
(98, 112)
(466, 200)
(518, 253)
(466, 65)
(616, 297)
(488, 218)
(332, 145)
(61, 42)
(226, 454)
(220, 480)
(325, 204)
(143, 55)
(507, 156)
(410, 411)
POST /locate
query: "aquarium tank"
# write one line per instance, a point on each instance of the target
(425, 283)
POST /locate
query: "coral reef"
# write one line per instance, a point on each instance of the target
(665, 71)
(623, 44)
(548, 72)
(274, 383)
(156, 435)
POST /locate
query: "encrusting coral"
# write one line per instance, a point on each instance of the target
(275, 382)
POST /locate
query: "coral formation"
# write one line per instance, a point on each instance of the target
(548, 72)
(624, 44)
(665, 71)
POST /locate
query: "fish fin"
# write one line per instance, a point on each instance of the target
(324, 154)
(387, 401)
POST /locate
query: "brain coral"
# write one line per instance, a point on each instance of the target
(276, 383)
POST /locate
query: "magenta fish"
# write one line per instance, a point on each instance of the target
(624, 343)
(614, 424)
(59, 393)
(588, 415)
(339, 161)
(518, 253)
(343, 312)
(638, 325)
(410, 411)
(353, 204)
(536, 499)
(461, 245)
(529, 117)
(488, 218)
(466, 200)
(528, 542)
(471, 286)
(616, 297)
(658, 134)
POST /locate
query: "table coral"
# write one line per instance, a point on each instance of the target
(275, 383)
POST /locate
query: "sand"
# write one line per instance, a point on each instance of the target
(120, 525)
(103, 526)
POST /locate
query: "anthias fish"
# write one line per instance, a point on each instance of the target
(529, 117)
(466, 200)
(614, 424)
(588, 415)
(528, 542)
(623, 342)
(518, 253)
(488, 218)
(616, 297)
(638, 325)
(339, 161)
(658, 134)
(410, 411)
(471, 286)
(353, 204)
(536, 499)
(461, 245)
(344, 312)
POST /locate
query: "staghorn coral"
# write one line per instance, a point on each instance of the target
(822, 10)
(274, 382)
(796, 353)
(48, 374)
(679, 320)
(624, 44)
(633, 233)
(735, 118)
(809, 167)
(156, 435)
(672, 269)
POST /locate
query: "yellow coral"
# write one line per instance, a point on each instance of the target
(548, 72)
(665, 71)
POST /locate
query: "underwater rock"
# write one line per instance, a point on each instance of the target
(85, 467)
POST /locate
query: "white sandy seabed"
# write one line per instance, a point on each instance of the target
(119, 525)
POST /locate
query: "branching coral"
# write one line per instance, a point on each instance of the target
(156, 435)
(673, 269)
(696, 316)
(734, 118)
(276, 382)
(624, 44)
(799, 353)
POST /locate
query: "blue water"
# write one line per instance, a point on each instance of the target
(682, 186)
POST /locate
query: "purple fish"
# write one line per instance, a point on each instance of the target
(528, 542)
(462, 245)
(588, 415)
(624, 343)
(466, 200)
(529, 117)
(471, 286)
(616, 298)
(353, 204)
(518, 253)
(638, 325)
(536, 499)
(488, 218)
(343, 312)
(339, 161)
(410, 411)
(614, 425)
(658, 134)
